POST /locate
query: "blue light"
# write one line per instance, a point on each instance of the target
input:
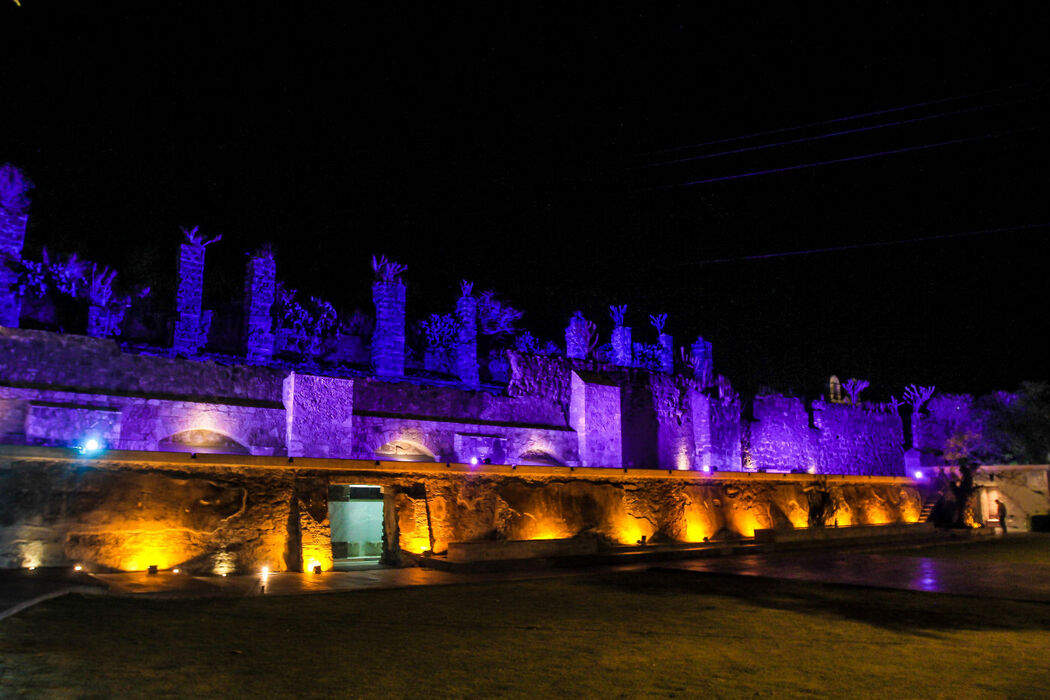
(90, 446)
(919, 475)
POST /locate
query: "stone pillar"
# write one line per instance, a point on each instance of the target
(98, 325)
(577, 337)
(594, 413)
(12, 238)
(705, 368)
(191, 325)
(700, 408)
(318, 416)
(466, 350)
(621, 346)
(260, 284)
(388, 339)
(666, 343)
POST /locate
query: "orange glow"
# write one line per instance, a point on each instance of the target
(546, 528)
(629, 530)
(316, 555)
(140, 550)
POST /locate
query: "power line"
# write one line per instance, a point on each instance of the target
(837, 120)
(845, 132)
(847, 159)
(874, 244)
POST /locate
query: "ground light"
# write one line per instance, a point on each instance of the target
(919, 475)
(90, 446)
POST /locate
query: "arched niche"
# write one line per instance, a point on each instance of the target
(404, 451)
(203, 441)
(540, 459)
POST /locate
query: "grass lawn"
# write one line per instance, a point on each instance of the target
(1015, 549)
(645, 634)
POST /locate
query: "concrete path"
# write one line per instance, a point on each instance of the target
(1024, 582)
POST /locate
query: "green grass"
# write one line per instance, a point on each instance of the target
(1019, 549)
(647, 634)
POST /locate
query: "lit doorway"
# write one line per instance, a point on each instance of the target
(356, 516)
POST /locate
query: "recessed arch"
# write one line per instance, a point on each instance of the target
(203, 441)
(540, 458)
(405, 451)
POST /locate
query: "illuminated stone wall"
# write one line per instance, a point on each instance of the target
(435, 510)
(788, 435)
(131, 510)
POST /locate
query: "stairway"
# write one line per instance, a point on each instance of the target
(927, 507)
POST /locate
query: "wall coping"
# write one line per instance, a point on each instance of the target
(143, 458)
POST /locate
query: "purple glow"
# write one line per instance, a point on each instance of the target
(919, 475)
(706, 469)
(90, 446)
(474, 460)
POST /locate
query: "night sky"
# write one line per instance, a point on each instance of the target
(522, 149)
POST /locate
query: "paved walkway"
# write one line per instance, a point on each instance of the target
(1026, 582)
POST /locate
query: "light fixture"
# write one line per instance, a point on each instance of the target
(78, 567)
(265, 571)
(474, 460)
(918, 475)
(174, 571)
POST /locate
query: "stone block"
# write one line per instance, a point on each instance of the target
(594, 413)
(319, 415)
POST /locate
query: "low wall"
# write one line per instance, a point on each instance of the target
(222, 513)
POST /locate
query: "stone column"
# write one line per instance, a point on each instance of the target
(12, 238)
(577, 337)
(621, 346)
(705, 369)
(260, 284)
(666, 343)
(388, 339)
(190, 322)
(466, 350)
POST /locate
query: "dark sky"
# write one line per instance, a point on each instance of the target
(517, 146)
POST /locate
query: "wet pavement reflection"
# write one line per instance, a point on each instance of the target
(1028, 582)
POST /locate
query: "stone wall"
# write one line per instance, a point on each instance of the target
(66, 419)
(855, 441)
(219, 514)
(47, 360)
(827, 438)
(780, 436)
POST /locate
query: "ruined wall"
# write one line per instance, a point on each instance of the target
(834, 439)
(855, 441)
(128, 511)
(47, 360)
(780, 436)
